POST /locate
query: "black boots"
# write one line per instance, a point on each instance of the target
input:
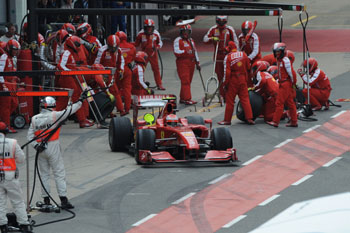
(65, 204)
(26, 229)
(4, 228)
(47, 201)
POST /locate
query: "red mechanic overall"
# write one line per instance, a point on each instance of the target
(286, 92)
(128, 53)
(150, 42)
(222, 34)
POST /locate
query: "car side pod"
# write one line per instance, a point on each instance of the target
(221, 155)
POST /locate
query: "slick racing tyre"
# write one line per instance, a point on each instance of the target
(120, 133)
(195, 120)
(145, 140)
(256, 102)
(221, 139)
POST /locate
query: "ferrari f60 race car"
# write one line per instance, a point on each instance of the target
(169, 138)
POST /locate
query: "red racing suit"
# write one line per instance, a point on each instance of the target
(68, 62)
(150, 44)
(7, 83)
(139, 87)
(286, 92)
(186, 57)
(320, 88)
(92, 54)
(112, 60)
(267, 87)
(128, 53)
(225, 35)
(270, 58)
(237, 66)
(250, 47)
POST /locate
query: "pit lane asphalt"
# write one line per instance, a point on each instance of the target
(111, 193)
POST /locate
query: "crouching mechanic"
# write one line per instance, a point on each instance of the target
(45, 137)
(320, 87)
(10, 154)
(266, 86)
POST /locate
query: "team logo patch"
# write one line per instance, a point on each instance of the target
(239, 64)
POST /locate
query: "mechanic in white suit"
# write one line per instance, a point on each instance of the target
(50, 154)
(11, 154)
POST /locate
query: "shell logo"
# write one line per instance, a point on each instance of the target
(239, 64)
(125, 55)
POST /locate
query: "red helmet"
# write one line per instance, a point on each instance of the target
(122, 35)
(83, 30)
(148, 26)
(2, 47)
(231, 47)
(3, 128)
(290, 55)
(11, 46)
(61, 36)
(69, 28)
(259, 66)
(97, 67)
(273, 70)
(279, 50)
(185, 31)
(73, 43)
(25, 26)
(171, 120)
(113, 43)
(221, 20)
(141, 57)
(246, 27)
(312, 64)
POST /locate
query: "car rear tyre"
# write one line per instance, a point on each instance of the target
(256, 103)
(221, 139)
(145, 140)
(120, 133)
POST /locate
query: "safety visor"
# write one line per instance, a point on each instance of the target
(149, 29)
(245, 31)
(112, 49)
(221, 22)
(81, 31)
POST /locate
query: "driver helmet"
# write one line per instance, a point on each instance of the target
(48, 102)
(172, 120)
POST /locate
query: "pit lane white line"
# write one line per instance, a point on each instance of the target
(283, 143)
(302, 180)
(332, 161)
(252, 160)
(219, 178)
(312, 128)
(234, 221)
(267, 201)
(144, 220)
(183, 198)
(338, 114)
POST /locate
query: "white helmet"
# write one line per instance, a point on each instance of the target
(48, 102)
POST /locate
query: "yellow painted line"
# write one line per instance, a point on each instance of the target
(304, 20)
(209, 107)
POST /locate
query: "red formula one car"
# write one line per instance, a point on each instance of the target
(169, 138)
